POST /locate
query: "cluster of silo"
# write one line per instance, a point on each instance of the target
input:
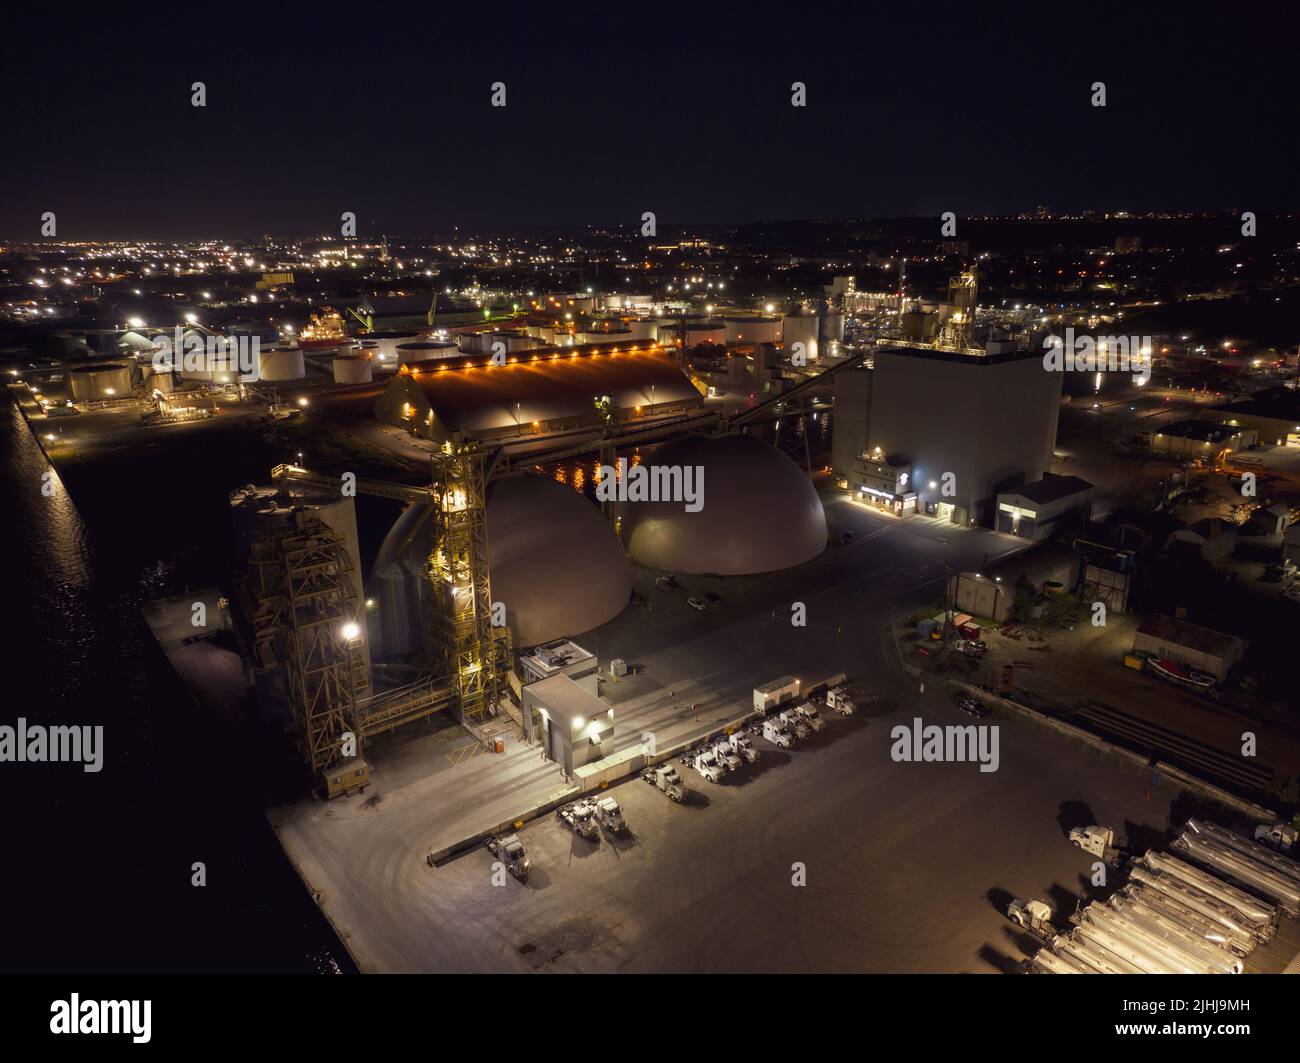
(1175, 917)
(803, 329)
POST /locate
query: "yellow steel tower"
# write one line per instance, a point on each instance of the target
(461, 614)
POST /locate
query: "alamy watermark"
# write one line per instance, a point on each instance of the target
(36, 744)
(651, 483)
(1098, 354)
(948, 745)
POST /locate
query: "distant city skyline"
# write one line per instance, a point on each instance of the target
(609, 116)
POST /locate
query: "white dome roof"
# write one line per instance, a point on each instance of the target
(556, 563)
(759, 511)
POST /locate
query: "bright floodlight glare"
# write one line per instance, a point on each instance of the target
(191, 318)
(351, 631)
(302, 401)
(136, 322)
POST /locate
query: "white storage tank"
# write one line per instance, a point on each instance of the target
(100, 381)
(426, 351)
(753, 329)
(352, 369)
(156, 380)
(801, 328)
(641, 328)
(389, 340)
(280, 363)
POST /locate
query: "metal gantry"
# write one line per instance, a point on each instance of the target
(460, 617)
(308, 618)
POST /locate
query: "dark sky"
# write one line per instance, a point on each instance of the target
(612, 111)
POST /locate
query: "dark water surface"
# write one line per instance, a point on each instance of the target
(97, 867)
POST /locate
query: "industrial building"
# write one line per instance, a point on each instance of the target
(943, 431)
(1202, 439)
(1040, 509)
(1274, 415)
(548, 390)
(1200, 648)
(574, 726)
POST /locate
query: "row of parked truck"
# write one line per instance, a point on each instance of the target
(1200, 909)
(714, 760)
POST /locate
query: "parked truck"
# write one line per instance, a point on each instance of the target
(810, 716)
(744, 748)
(776, 732)
(1279, 836)
(580, 817)
(510, 851)
(665, 778)
(727, 756)
(706, 764)
(838, 699)
(795, 723)
(1100, 841)
(610, 816)
(771, 695)
(1034, 916)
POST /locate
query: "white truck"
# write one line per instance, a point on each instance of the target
(839, 700)
(771, 695)
(1277, 836)
(510, 851)
(795, 723)
(706, 764)
(1035, 916)
(744, 747)
(610, 816)
(665, 778)
(776, 732)
(727, 756)
(580, 817)
(811, 717)
(1099, 841)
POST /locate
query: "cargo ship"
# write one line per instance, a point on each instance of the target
(325, 331)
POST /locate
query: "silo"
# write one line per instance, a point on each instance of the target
(832, 329)
(801, 328)
(426, 351)
(352, 369)
(100, 381)
(400, 626)
(753, 329)
(163, 382)
(280, 363)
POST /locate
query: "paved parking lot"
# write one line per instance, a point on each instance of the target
(908, 865)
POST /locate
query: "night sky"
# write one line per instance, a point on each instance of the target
(912, 110)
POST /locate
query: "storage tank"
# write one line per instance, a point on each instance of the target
(164, 382)
(352, 369)
(753, 329)
(426, 351)
(281, 363)
(389, 340)
(757, 511)
(832, 328)
(99, 381)
(641, 328)
(696, 332)
(801, 328)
